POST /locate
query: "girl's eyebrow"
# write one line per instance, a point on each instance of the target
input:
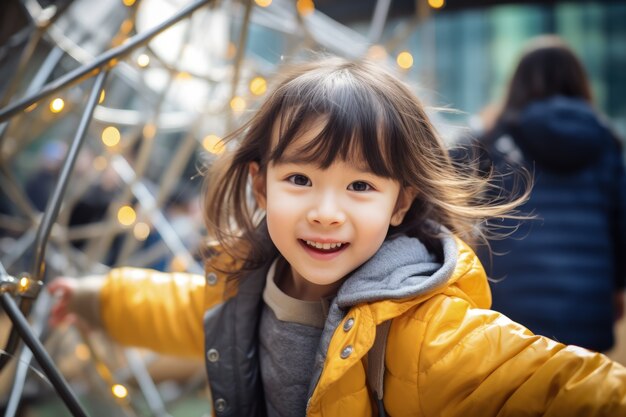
(299, 159)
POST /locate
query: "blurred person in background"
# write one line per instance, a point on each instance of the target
(561, 274)
(41, 183)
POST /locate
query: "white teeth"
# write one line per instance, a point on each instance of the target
(324, 246)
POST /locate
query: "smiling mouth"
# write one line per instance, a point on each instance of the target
(324, 247)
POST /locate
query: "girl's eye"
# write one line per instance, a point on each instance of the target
(360, 186)
(299, 179)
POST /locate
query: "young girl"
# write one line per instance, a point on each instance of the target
(337, 210)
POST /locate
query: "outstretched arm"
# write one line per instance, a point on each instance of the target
(478, 362)
(159, 311)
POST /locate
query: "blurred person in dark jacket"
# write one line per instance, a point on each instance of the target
(562, 273)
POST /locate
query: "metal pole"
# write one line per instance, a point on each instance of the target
(108, 58)
(56, 379)
(52, 208)
(378, 20)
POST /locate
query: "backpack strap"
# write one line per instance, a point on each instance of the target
(376, 365)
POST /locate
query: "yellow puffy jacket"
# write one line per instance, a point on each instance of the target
(447, 353)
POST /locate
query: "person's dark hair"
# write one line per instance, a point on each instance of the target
(547, 67)
(366, 114)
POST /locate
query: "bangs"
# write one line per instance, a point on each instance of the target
(351, 119)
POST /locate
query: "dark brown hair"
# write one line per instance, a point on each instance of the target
(366, 112)
(547, 67)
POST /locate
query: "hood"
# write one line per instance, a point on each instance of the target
(561, 134)
(402, 268)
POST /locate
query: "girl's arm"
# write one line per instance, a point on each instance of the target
(159, 311)
(478, 362)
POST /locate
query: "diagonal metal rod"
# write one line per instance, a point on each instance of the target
(108, 58)
(42, 307)
(378, 20)
(56, 379)
(52, 208)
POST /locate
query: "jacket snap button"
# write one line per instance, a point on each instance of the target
(213, 355)
(220, 405)
(346, 352)
(348, 324)
(211, 278)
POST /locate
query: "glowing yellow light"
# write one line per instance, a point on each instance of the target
(57, 105)
(82, 352)
(436, 4)
(126, 215)
(119, 391)
(149, 131)
(213, 144)
(263, 3)
(141, 231)
(128, 2)
(404, 60)
(31, 107)
(238, 104)
(183, 75)
(111, 136)
(178, 264)
(305, 7)
(99, 163)
(103, 94)
(126, 26)
(143, 60)
(377, 53)
(258, 86)
(24, 284)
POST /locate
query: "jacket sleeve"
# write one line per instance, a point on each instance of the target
(479, 362)
(159, 311)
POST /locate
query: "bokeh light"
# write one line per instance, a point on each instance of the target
(111, 136)
(258, 86)
(238, 104)
(119, 391)
(126, 215)
(57, 105)
(141, 231)
(436, 4)
(305, 7)
(213, 144)
(405, 60)
(143, 60)
(82, 352)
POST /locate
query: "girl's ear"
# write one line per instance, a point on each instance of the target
(405, 199)
(258, 184)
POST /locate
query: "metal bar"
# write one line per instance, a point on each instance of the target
(41, 310)
(146, 384)
(378, 20)
(239, 53)
(147, 200)
(52, 208)
(56, 379)
(38, 81)
(108, 58)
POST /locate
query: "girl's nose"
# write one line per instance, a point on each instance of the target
(326, 211)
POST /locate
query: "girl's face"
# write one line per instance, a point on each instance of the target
(326, 222)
